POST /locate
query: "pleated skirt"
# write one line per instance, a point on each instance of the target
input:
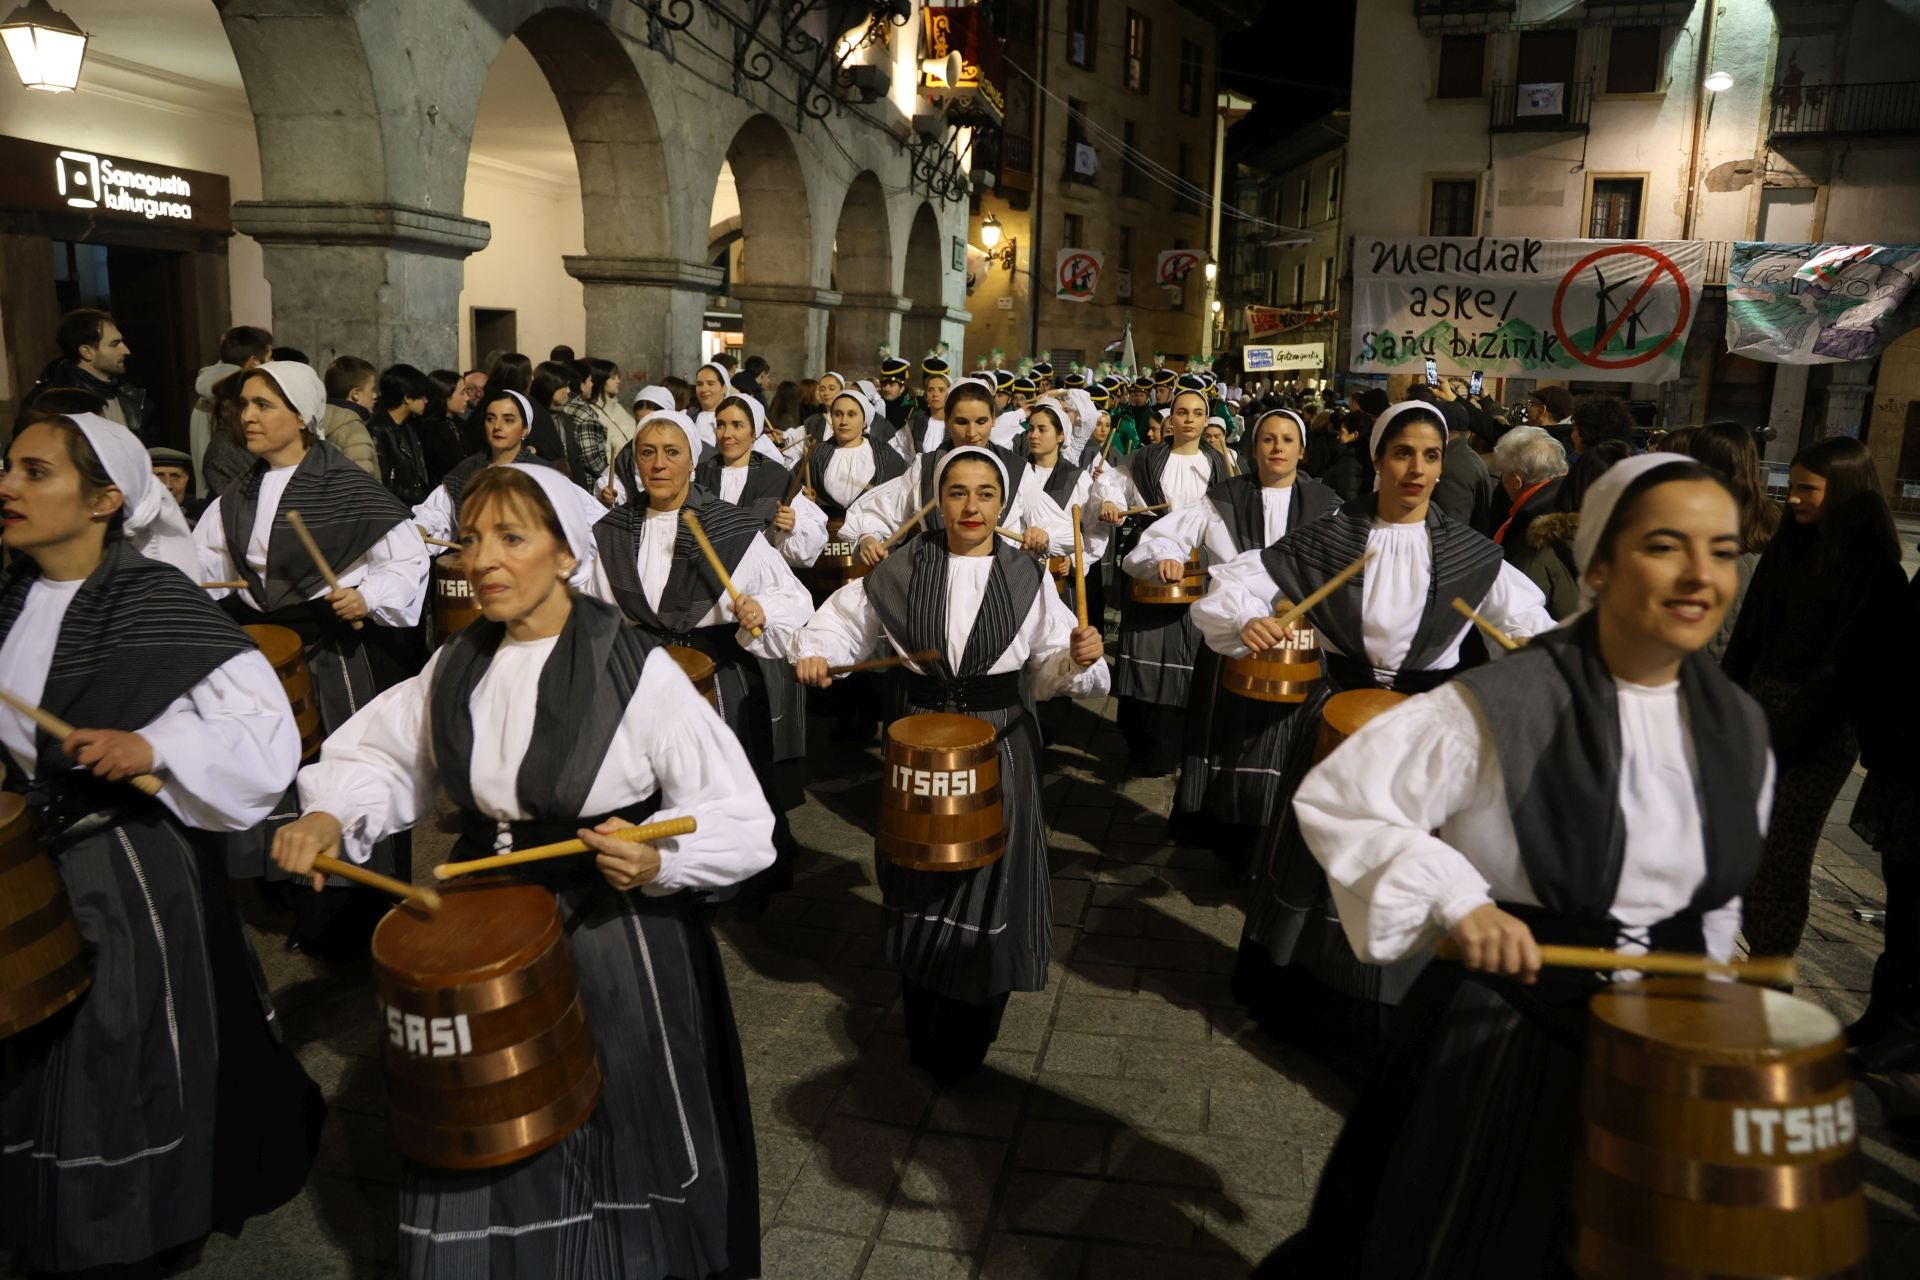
(661, 1181)
(1158, 647)
(974, 935)
(1234, 759)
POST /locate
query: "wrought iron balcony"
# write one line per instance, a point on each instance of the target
(1462, 15)
(1812, 112)
(1542, 108)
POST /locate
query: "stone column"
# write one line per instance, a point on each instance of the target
(379, 281)
(861, 323)
(925, 327)
(1676, 402)
(645, 314)
(787, 324)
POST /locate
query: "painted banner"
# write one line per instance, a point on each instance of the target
(1076, 274)
(1596, 310)
(1264, 320)
(1175, 265)
(1820, 303)
(1294, 355)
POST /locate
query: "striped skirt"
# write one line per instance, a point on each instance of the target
(1158, 647)
(1236, 750)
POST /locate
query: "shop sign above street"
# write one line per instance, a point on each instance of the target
(79, 181)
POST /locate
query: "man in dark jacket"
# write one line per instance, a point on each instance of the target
(93, 358)
(1531, 466)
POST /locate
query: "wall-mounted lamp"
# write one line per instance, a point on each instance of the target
(997, 254)
(1717, 82)
(46, 47)
(1213, 270)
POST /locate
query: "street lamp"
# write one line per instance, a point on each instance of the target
(1213, 271)
(997, 254)
(990, 232)
(46, 47)
(1718, 82)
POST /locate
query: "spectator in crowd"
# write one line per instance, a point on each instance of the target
(1551, 407)
(761, 372)
(1531, 467)
(681, 390)
(1545, 554)
(352, 387)
(291, 355)
(561, 354)
(583, 440)
(1730, 449)
(600, 391)
(448, 406)
(405, 394)
(93, 358)
(241, 347)
(173, 468)
(1598, 418)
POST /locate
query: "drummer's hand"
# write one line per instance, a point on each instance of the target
(348, 604)
(871, 552)
(297, 844)
(1086, 646)
(812, 671)
(1491, 941)
(749, 613)
(1266, 633)
(1110, 513)
(113, 754)
(1035, 539)
(1172, 570)
(783, 519)
(627, 864)
(608, 496)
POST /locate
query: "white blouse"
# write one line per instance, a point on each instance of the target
(885, 507)
(391, 576)
(226, 748)
(1393, 599)
(761, 574)
(848, 472)
(846, 629)
(800, 546)
(1058, 520)
(1175, 535)
(1429, 766)
(1006, 428)
(377, 773)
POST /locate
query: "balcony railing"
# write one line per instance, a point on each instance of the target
(1541, 108)
(1462, 15)
(1815, 111)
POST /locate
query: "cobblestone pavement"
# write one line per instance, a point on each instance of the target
(1129, 1122)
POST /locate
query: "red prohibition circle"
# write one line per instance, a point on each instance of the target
(1075, 269)
(1662, 264)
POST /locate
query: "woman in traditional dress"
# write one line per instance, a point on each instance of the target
(1158, 645)
(1230, 771)
(368, 537)
(159, 1104)
(845, 465)
(1054, 487)
(738, 473)
(1390, 627)
(964, 940)
(548, 718)
(711, 384)
(936, 380)
(506, 418)
(826, 388)
(1455, 1160)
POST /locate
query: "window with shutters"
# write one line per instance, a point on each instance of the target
(1139, 50)
(1082, 31)
(1192, 71)
(1450, 206)
(1326, 279)
(1463, 67)
(1615, 211)
(1633, 60)
(1073, 231)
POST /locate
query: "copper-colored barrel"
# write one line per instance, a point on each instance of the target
(838, 562)
(1276, 675)
(1346, 713)
(1186, 591)
(940, 798)
(454, 604)
(44, 964)
(287, 656)
(1061, 570)
(699, 669)
(1719, 1137)
(489, 1057)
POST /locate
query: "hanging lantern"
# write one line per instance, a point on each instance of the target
(46, 46)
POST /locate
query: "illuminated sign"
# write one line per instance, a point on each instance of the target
(42, 178)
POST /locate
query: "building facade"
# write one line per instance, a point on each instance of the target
(1109, 148)
(1795, 120)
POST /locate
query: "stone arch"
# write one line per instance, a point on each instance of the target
(924, 286)
(778, 284)
(870, 307)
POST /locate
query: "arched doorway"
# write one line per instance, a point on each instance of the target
(924, 285)
(868, 315)
(773, 268)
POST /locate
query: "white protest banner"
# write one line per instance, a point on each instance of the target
(1597, 310)
(1076, 274)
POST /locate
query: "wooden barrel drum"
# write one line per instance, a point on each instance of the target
(1184, 592)
(1347, 713)
(489, 1057)
(699, 669)
(1276, 675)
(287, 656)
(1060, 569)
(1719, 1137)
(44, 964)
(837, 564)
(454, 605)
(940, 802)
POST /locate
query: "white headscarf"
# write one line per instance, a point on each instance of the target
(1298, 421)
(576, 518)
(657, 396)
(960, 453)
(674, 416)
(153, 520)
(756, 411)
(1395, 410)
(720, 371)
(1596, 509)
(526, 409)
(859, 398)
(302, 389)
(1081, 402)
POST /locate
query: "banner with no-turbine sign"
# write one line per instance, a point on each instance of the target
(1596, 310)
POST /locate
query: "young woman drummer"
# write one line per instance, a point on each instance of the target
(368, 538)
(1234, 745)
(1158, 645)
(965, 940)
(845, 465)
(506, 417)
(711, 384)
(159, 1104)
(1455, 1160)
(739, 473)
(546, 719)
(1391, 627)
(1054, 487)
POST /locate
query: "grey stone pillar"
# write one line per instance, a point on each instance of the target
(644, 314)
(379, 281)
(787, 324)
(1676, 402)
(925, 327)
(861, 323)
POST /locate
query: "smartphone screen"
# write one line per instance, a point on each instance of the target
(1433, 372)
(1474, 384)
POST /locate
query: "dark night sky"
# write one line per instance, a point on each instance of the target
(1295, 62)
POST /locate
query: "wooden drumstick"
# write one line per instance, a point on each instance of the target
(1079, 569)
(432, 541)
(236, 585)
(912, 520)
(1764, 970)
(713, 558)
(1334, 583)
(145, 783)
(800, 480)
(319, 561)
(564, 848)
(374, 880)
(1141, 511)
(1494, 633)
(876, 664)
